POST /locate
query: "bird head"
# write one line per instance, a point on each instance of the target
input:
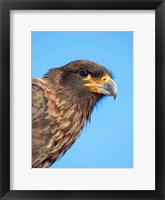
(85, 77)
(90, 77)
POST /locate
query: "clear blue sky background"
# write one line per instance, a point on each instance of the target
(107, 142)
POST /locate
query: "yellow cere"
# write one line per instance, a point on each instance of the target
(93, 83)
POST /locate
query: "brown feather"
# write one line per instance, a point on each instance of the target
(60, 108)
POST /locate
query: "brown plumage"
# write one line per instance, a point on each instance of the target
(62, 101)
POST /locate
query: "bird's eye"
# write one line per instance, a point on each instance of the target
(83, 73)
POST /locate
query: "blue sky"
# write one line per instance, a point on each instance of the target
(107, 142)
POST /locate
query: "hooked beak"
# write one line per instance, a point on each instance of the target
(108, 88)
(105, 86)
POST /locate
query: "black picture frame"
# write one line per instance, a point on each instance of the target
(5, 7)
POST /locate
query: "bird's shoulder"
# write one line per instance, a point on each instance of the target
(56, 123)
(43, 121)
(42, 98)
(46, 120)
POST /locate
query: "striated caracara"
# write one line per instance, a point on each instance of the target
(62, 101)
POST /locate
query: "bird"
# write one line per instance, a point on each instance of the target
(62, 103)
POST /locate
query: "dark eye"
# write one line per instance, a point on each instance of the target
(83, 73)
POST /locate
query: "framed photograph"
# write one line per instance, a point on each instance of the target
(82, 99)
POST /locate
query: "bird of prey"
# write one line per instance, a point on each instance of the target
(62, 102)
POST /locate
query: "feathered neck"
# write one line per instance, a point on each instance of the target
(83, 100)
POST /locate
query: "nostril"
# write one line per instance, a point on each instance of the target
(104, 79)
